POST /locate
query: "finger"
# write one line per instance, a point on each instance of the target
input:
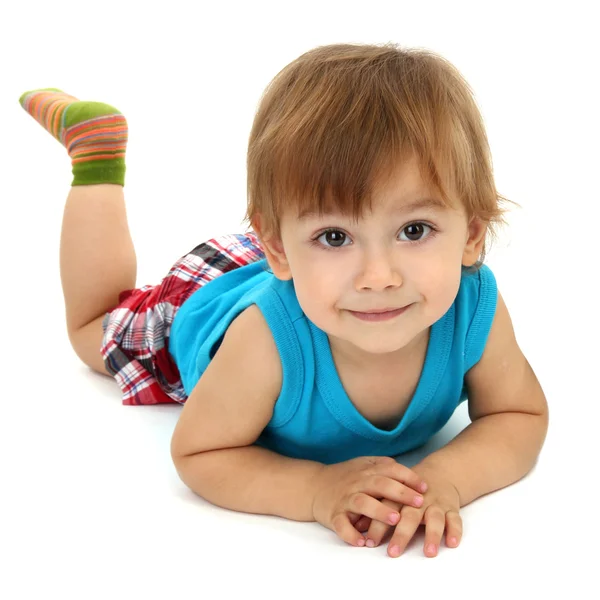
(377, 529)
(382, 486)
(354, 517)
(376, 533)
(346, 531)
(394, 470)
(435, 522)
(410, 519)
(368, 506)
(454, 529)
(363, 524)
(360, 522)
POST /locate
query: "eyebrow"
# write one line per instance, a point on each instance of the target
(419, 203)
(426, 202)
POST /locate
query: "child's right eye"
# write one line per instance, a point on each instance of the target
(331, 238)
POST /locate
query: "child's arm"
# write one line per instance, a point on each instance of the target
(226, 413)
(509, 417)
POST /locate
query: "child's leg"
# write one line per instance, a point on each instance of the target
(97, 257)
(97, 262)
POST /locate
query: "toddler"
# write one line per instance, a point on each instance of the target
(347, 323)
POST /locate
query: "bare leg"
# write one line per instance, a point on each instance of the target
(97, 262)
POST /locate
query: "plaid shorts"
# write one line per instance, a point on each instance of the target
(135, 346)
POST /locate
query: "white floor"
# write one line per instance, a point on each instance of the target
(91, 506)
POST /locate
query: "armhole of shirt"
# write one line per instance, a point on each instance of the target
(483, 316)
(290, 354)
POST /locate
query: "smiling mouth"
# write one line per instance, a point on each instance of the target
(380, 314)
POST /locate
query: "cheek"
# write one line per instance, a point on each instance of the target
(316, 291)
(315, 274)
(438, 281)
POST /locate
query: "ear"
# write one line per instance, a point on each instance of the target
(474, 245)
(274, 252)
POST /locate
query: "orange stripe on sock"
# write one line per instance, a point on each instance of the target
(97, 157)
(108, 146)
(99, 147)
(94, 123)
(94, 142)
(120, 133)
(43, 100)
(55, 116)
(47, 107)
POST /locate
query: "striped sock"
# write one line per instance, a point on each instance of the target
(95, 134)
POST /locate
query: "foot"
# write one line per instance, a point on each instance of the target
(95, 134)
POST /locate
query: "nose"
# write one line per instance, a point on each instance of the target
(378, 272)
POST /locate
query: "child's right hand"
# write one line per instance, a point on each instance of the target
(346, 491)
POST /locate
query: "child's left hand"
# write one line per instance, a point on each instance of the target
(440, 511)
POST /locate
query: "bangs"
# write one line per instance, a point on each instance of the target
(346, 163)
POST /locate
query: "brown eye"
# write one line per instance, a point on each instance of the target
(333, 238)
(414, 232)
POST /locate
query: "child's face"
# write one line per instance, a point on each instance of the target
(396, 256)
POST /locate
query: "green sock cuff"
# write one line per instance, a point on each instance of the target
(99, 171)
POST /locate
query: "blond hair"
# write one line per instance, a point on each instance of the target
(335, 121)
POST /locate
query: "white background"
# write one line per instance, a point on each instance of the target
(91, 506)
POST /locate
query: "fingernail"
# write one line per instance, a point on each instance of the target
(418, 501)
(393, 518)
(453, 541)
(395, 551)
(361, 541)
(423, 487)
(431, 549)
(370, 544)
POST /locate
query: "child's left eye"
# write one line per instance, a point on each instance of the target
(415, 231)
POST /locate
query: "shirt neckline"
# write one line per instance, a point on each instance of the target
(339, 403)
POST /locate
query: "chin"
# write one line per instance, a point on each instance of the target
(380, 347)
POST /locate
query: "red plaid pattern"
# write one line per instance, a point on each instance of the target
(135, 346)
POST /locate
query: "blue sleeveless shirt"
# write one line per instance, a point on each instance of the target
(313, 417)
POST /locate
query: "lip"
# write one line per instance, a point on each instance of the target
(384, 314)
